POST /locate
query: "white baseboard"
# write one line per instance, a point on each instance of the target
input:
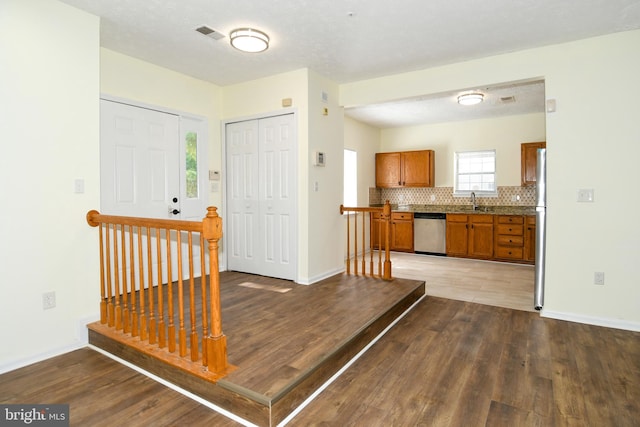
(21, 363)
(590, 320)
(82, 340)
(317, 278)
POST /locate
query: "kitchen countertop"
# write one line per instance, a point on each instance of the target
(466, 209)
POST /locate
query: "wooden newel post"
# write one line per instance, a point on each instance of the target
(386, 214)
(216, 341)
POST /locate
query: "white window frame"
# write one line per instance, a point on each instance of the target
(474, 167)
(350, 188)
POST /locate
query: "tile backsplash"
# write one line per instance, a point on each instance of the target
(507, 196)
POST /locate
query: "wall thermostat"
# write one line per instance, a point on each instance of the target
(319, 158)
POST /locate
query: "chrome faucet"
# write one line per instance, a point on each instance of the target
(473, 201)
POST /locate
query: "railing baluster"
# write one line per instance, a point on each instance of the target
(132, 278)
(110, 313)
(171, 336)
(125, 287)
(152, 309)
(116, 269)
(380, 248)
(182, 332)
(348, 245)
(162, 334)
(192, 301)
(103, 297)
(143, 314)
(355, 243)
(364, 258)
(203, 300)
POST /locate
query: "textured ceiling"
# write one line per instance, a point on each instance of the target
(345, 40)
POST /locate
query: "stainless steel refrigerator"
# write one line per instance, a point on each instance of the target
(541, 226)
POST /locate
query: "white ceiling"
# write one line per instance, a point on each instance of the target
(351, 40)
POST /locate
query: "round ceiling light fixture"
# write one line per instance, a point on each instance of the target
(470, 98)
(249, 40)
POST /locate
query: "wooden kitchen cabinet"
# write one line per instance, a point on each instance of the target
(470, 235)
(401, 238)
(529, 161)
(405, 169)
(402, 231)
(509, 237)
(530, 238)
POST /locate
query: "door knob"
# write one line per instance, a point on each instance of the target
(173, 211)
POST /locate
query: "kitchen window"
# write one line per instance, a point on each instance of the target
(475, 171)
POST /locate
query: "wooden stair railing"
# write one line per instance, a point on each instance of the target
(383, 232)
(137, 302)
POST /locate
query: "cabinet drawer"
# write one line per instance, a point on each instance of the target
(510, 219)
(512, 230)
(509, 253)
(481, 219)
(457, 217)
(505, 240)
(406, 216)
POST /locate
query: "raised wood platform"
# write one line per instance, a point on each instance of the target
(285, 339)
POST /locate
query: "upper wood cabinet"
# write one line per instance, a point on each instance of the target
(529, 161)
(405, 169)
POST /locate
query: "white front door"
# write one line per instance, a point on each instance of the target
(261, 196)
(153, 164)
(139, 161)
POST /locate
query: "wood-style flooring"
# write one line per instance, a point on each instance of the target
(447, 363)
(484, 282)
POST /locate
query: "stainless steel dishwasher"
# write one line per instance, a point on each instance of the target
(429, 233)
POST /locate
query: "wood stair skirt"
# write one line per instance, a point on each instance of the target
(245, 403)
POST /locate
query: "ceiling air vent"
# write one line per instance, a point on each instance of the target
(507, 99)
(210, 32)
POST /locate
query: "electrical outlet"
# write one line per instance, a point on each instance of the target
(48, 300)
(598, 278)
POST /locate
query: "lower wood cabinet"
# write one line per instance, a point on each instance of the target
(515, 238)
(470, 235)
(500, 237)
(401, 238)
(530, 238)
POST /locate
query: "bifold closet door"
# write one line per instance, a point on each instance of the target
(261, 196)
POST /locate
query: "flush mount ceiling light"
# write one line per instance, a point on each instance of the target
(249, 40)
(470, 98)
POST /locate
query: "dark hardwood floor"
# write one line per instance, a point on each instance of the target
(447, 363)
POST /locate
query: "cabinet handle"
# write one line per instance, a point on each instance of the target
(509, 229)
(399, 183)
(510, 241)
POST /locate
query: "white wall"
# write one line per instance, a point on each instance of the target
(365, 140)
(593, 142)
(50, 129)
(326, 241)
(128, 78)
(504, 134)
